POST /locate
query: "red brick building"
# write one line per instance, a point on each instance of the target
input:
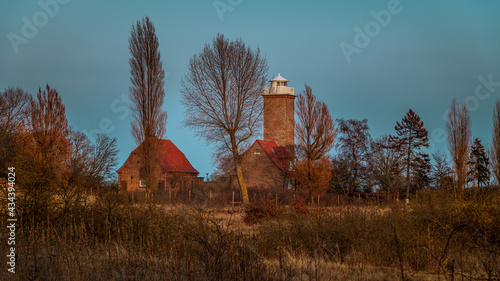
(267, 162)
(173, 171)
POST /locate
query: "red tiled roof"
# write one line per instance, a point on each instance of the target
(278, 154)
(171, 158)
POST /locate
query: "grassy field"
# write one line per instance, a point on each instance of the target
(440, 236)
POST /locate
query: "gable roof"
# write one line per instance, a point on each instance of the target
(276, 153)
(171, 158)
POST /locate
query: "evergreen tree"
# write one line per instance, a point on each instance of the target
(411, 136)
(479, 171)
(423, 168)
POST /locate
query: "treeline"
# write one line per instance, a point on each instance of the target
(398, 163)
(53, 163)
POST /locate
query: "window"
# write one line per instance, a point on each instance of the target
(142, 184)
(131, 177)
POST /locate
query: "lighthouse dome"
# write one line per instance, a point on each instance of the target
(279, 78)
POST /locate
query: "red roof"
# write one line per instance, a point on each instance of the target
(278, 154)
(171, 158)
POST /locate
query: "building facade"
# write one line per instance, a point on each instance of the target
(268, 162)
(172, 172)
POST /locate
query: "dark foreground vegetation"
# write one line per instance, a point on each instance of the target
(439, 236)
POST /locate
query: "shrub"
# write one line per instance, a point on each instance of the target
(300, 207)
(261, 209)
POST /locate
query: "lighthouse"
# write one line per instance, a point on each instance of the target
(279, 110)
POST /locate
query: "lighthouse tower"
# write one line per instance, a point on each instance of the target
(279, 110)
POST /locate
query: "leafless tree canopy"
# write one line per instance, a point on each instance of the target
(49, 125)
(315, 136)
(459, 140)
(315, 132)
(495, 143)
(13, 109)
(442, 175)
(222, 96)
(91, 165)
(14, 104)
(353, 144)
(147, 77)
(385, 165)
(222, 92)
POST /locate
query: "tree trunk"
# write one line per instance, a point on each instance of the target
(408, 170)
(239, 171)
(241, 182)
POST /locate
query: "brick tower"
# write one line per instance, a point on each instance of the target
(279, 112)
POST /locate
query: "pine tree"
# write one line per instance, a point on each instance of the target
(411, 136)
(479, 163)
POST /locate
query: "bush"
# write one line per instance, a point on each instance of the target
(263, 208)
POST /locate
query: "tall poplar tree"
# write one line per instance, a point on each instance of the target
(147, 96)
(495, 143)
(459, 138)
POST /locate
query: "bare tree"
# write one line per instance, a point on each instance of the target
(459, 140)
(385, 165)
(315, 136)
(495, 143)
(222, 96)
(353, 143)
(441, 171)
(49, 126)
(411, 135)
(14, 105)
(41, 150)
(315, 132)
(91, 165)
(147, 95)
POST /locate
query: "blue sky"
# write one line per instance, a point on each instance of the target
(427, 53)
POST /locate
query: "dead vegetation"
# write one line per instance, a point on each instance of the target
(438, 237)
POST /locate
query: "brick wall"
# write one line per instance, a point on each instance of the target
(258, 170)
(129, 178)
(279, 119)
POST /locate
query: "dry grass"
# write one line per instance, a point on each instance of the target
(436, 238)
